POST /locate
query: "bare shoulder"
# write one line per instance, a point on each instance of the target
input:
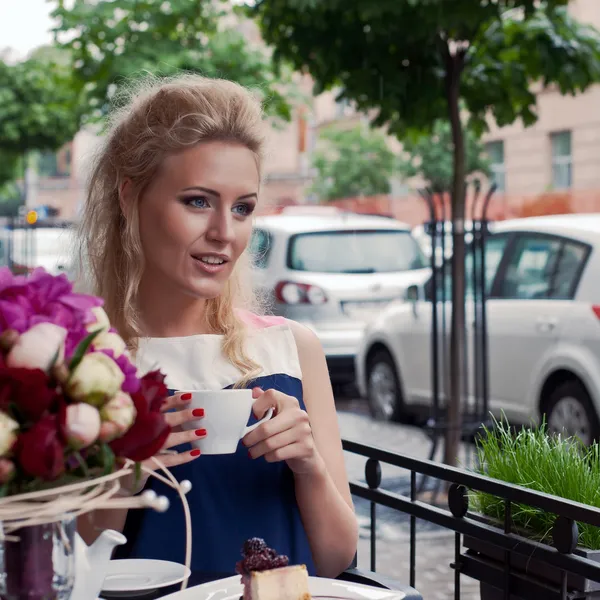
(306, 339)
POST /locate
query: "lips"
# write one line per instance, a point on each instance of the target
(211, 259)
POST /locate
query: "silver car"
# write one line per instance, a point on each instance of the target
(334, 272)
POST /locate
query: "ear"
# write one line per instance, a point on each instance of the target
(125, 195)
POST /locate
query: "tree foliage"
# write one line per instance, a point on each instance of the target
(116, 40)
(39, 110)
(352, 162)
(430, 157)
(413, 62)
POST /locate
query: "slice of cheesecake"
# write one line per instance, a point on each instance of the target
(267, 576)
(284, 583)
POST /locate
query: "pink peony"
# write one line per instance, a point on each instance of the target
(82, 425)
(38, 347)
(44, 298)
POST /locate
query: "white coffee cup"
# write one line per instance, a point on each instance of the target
(226, 415)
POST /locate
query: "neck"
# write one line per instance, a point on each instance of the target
(166, 312)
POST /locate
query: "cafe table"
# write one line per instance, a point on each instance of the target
(351, 575)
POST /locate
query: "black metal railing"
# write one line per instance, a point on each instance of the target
(490, 553)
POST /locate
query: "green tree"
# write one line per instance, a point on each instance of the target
(39, 110)
(114, 40)
(414, 61)
(352, 162)
(431, 156)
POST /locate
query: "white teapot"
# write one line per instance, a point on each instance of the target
(91, 563)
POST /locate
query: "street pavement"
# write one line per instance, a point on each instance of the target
(435, 545)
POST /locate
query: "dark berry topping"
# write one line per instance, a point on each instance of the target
(259, 557)
(253, 546)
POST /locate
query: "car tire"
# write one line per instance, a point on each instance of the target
(570, 405)
(384, 393)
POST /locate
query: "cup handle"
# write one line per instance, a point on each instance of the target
(253, 427)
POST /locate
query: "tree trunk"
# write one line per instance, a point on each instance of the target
(457, 332)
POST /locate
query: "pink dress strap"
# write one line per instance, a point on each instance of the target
(260, 321)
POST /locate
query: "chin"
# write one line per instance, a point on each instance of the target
(205, 292)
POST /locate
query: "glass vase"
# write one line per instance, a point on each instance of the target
(38, 562)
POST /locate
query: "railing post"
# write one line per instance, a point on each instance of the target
(373, 477)
(413, 530)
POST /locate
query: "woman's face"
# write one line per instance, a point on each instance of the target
(195, 218)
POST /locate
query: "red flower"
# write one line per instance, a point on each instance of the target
(39, 451)
(150, 430)
(27, 389)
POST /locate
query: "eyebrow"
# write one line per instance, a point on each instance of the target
(215, 193)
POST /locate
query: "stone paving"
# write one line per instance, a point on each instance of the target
(435, 546)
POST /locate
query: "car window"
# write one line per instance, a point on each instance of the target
(529, 273)
(567, 271)
(495, 246)
(260, 247)
(366, 251)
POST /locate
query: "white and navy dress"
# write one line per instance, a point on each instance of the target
(233, 497)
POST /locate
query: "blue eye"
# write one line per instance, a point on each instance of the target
(196, 201)
(243, 209)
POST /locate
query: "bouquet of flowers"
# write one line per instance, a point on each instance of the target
(72, 405)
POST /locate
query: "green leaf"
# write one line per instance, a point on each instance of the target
(82, 464)
(81, 349)
(108, 459)
(138, 473)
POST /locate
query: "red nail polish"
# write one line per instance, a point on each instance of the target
(249, 455)
(200, 432)
(198, 412)
(195, 453)
(186, 396)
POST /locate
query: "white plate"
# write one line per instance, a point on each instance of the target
(133, 575)
(322, 589)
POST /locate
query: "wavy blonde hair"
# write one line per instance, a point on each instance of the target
(156, 118)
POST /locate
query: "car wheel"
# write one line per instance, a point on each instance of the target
(570, 412)
(383, 387)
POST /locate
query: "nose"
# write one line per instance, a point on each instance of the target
(221, 228)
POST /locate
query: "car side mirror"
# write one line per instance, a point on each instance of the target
(412, 296)
(412, 293)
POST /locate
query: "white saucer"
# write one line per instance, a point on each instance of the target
(129, 577)
(323, 589)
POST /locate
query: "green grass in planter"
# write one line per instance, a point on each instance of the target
(550, 464)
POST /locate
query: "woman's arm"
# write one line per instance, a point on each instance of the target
(309, 441)
(323, 495)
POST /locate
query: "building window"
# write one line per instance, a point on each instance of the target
(562, 161)
(495, 152)
(55, 164)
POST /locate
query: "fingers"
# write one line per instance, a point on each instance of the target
(271, 399)
(293, 419)
(297, 450)
(270, 444)
(176, 438)
(179, 417)
(173, 459)
(177, 401)
(282, 422)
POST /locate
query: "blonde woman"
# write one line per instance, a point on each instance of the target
(165, 232)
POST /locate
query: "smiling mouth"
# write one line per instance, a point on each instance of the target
(210, 260)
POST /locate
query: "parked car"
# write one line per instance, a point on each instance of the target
(543, 319)
(26, 248)
(334, 272)
(423, 238)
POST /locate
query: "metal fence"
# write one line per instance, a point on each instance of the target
(508, 564)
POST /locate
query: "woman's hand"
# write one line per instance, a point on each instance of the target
(286, 436)
(181, 413)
